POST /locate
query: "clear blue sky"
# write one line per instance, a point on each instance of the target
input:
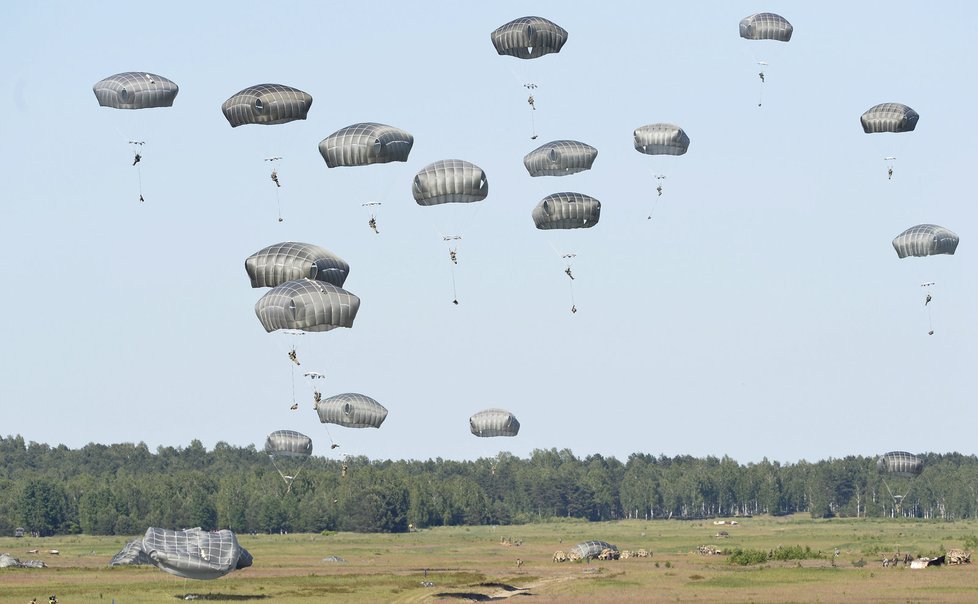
(763, 312)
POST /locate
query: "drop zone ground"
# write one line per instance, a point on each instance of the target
(474, 564)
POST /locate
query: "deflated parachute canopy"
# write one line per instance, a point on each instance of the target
(567, 211)
(661, 139)
(351, 410)
(364, 144)
(560, 158)
(590, 549)
(494, 422)
(925, 240)
(267, 104)
(289, 260)
(307, 305)
(135, 90)
(191, 553)
(900, 463)
(529, 38)
(889, 117)
(766, 26)
(450, 181)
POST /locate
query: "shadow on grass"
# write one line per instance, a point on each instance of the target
(474, 597)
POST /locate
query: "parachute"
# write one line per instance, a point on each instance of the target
(307, 305)
(529, 38)
(766, 26)
(288, 450)
(560, 158)
(900, 463)
(351, 410)
(191, 553)
(494, 422)
(567, 211)
(661, 139)
(366, 143)
(590, 549)
(889, 117)
(925, 240)
(135, 90)
(289, 260)
(131, 554)
(266, 104)
(450, 181)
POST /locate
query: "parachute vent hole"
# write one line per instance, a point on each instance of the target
(259, 106)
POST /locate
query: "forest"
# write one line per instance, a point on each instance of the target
(122, 489)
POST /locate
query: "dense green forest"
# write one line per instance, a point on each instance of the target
(122, 489)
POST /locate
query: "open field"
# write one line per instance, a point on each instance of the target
(471, 564)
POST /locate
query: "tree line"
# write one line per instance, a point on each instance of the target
(122, 489)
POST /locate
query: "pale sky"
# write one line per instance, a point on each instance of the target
(762, 313)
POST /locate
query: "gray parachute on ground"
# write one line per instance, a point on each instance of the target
(925, 240)
(661, 139)
(560, 158)
(307, 305)
(135, 90)
(366, 143)
(450, 181)
(900, 463)
(266, 104)
(351, 410)
(590, 549)
(191, 553)
(566, 211)
(289, 260)
(766, 26)
(529, 38)
(494, 422)
(8, 561)
(889, 117)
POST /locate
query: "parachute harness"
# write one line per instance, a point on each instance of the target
(278, 185)
(139, 169)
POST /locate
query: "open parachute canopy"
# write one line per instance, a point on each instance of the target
(889, 117)
(661, 139)
(135, 90)
(566, 211)
(560, 158)
(529, 38)
(766, 26)
(494, 422)
(900, 463)
(288, 444)
(925, 240)
(364, 144)
(266, 104)
(590, 549)
(351, 410)
(289, 260)
(307, 305)
(450, 181)
(191, 553)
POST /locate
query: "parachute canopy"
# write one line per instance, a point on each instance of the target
(135, 90)
(494, 422)
(925, 240)
(560, 158)
(267, 104)
(529, 38)
(450, 181)
(900, 463)
(566, 211)
(766, 26)
(307, 305)
(889, 117)
(351, 410)
(661, 139)
(288, 443)
(191, 553)
(364, 144)
(289, 260)
(590, 549)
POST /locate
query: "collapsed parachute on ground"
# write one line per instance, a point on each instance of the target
(590, 549)
(566, 211)
(366, 143)
(290, 260)
(450, 181)
(266, 104)
(351, 410)
(925, 240)
(191, 553)
(307, 305)
(889, 117)
(900, 463)
(529, 38)
(560, 158)
(8, 561)
(766, 26)
(494, 422)
(135, 90)
(661, 139)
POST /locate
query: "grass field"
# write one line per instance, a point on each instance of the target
(471, 564)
